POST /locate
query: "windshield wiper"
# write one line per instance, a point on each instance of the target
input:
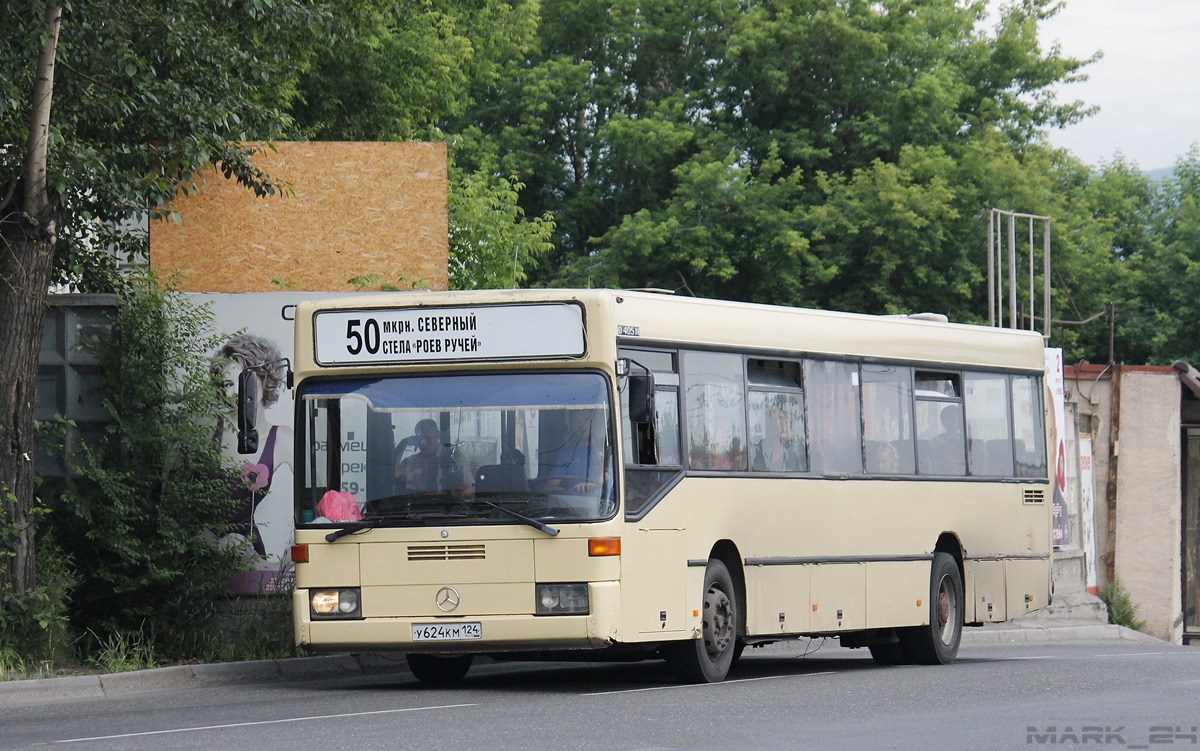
(349, 529)
(540, 526)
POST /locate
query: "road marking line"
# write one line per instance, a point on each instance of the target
(260, 722)
(703, 685)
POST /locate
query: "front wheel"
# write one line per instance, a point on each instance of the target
(937, 643)
(439, 670)
(708, 659)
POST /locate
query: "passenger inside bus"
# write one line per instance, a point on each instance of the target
(948, 446)
(435, 467)
(775, 451)
(506, 477)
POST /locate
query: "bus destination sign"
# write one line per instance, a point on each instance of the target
(490, 332)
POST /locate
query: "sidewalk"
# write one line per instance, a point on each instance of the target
(1052, 632)
(81, 688)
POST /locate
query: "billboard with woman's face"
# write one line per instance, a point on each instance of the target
(257, 333)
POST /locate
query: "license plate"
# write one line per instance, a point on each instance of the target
(447, 631)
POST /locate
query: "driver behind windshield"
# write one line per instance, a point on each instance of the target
(435, 467)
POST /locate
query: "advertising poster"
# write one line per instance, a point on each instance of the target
(1087, 509)
(1056, 410)
(257, 329)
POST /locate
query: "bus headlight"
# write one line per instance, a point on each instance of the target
(562, 599)
(335, 603)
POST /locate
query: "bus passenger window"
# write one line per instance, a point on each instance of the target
(989, 443)
(666, 426)
(887, 419)
(776, 409)
(776, 432)
(941, 446)
(1030, 441)
(657, 443)
(834, 418)
(716, 413)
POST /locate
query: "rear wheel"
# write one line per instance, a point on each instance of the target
(439, 670)
(937, 643)
(708, 659)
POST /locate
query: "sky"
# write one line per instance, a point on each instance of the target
(1147, 85)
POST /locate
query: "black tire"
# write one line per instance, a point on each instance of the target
(737, 651)
(937, 643)
(439, 670)
(708, 659)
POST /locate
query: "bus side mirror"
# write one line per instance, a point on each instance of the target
(641, 398)
(247, 405)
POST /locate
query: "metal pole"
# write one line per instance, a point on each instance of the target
(1012, 271)
(991, 261)
(1046, 275)
(1032, 303)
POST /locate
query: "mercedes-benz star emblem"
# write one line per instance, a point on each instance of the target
(447, 599)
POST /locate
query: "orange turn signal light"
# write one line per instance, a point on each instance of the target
(300, 553)
(600, 546)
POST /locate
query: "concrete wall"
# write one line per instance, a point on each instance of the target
(1138, 484)
(69, 382)
(1149, 499)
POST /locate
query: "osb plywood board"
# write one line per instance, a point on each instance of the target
(350, 210)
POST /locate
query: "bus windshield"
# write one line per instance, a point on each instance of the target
(466, 449)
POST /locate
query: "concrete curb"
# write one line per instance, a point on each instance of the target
(1059, 634)
(86, 687)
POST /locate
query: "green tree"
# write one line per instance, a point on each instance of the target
(798, 147)
(410, 72)
(1158, 308)
(491, 246)
(154, 491)
(108, 109)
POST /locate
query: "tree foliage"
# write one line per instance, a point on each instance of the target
(107, 111)
(154, 491)
(798, 151)
(146, 96)
(407, 71)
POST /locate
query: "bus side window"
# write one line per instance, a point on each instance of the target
(989, 441)
(666, 426)
(941, 445)
(776, 408)
(656, 443)
(716, 412)
(834, 418)
(1029, 440)
(887, 419)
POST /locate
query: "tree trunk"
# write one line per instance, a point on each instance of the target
(27, 239)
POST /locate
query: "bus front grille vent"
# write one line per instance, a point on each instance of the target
(1035, 496)
(446, 552)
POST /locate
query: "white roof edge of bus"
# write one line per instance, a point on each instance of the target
(927, 316)
(449, 297)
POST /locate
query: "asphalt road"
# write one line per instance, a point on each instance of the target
(1114, 693)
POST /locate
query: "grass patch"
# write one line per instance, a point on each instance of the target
(1121, 609)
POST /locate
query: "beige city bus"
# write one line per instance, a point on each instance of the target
(607, 474)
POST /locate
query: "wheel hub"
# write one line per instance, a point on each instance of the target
(718, 622)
